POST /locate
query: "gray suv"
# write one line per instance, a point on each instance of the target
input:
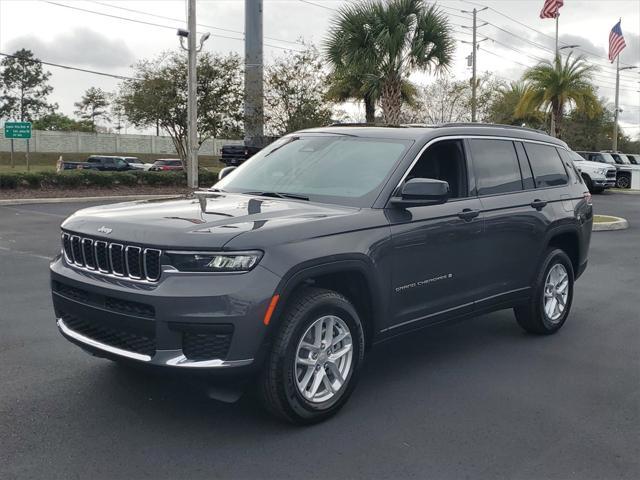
(328, 241)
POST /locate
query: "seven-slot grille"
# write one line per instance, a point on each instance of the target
(112, 258)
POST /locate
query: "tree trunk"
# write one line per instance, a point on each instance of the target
(391, 100)
(369, 108)
(557, 117)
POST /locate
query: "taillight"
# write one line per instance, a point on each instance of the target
(587, 197)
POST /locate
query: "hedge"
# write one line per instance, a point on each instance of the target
(88, 178)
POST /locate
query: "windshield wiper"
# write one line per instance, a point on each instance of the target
(278, 195)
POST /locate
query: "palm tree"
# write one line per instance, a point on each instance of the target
(553, 86)
(504, 106)
(381, 43)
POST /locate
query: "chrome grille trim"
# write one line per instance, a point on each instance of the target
(144, 263)
(96, 246)
(113, 270)
(79, 258)
(77, 261)
(128, 249)
(88, 262)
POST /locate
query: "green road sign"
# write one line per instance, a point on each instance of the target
(17, 130)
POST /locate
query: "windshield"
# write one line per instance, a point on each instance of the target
(608, 158)
(343, 169)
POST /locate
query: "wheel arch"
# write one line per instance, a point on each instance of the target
(350, 275)
(567, 239)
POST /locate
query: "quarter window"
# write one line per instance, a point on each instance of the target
(496, 166)
(546, 164)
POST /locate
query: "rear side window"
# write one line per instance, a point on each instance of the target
(496, 166)
(546, 164)
(525, 168)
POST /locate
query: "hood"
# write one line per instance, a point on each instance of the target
(209, 221)
(589, 164)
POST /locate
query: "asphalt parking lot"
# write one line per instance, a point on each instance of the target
(476, 400)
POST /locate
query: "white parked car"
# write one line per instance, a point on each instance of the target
(596, 175)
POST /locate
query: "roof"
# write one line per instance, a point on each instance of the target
(418, 132)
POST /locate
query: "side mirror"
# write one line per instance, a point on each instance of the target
(422, 191)
(225, 171)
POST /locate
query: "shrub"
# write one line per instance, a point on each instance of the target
(9, 180)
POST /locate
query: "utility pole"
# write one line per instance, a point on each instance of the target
(617, 110)
(253, 75)
(192, 92)
(474, 60)
(192, 101)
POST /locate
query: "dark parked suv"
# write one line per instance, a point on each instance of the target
(323, 244)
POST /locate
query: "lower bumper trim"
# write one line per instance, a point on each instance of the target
(167, 358)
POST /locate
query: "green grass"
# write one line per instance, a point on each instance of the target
(604, 219)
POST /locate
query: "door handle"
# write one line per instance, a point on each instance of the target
(538, 204)
(467, 214)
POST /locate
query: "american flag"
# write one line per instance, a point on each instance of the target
(551, 8)
(616, 41)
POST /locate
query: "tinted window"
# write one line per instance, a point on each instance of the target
(546, 164)
(525, 168)
(176, 163)
(496, 166)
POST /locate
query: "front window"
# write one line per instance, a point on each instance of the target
(607, 158)
(341, 169)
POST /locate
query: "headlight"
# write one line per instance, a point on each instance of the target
(603, 171)
(214, 261)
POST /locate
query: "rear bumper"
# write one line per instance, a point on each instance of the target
(197, 322)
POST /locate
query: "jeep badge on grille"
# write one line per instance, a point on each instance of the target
(105, 230)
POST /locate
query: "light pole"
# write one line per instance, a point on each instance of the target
(192, 93)
(617, 109)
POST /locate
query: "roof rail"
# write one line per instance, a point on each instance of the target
(500, 125)
(364, 124)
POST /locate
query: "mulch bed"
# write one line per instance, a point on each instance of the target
(18, 193)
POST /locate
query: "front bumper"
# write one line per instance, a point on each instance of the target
(184, 321)
(603, 182)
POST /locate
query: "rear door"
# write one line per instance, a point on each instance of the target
(516, 216)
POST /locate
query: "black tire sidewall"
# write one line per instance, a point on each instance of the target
(302, 409)
(553, 258)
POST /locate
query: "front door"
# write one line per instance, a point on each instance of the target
(435, 247)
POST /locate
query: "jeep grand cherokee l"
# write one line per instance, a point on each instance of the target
(323, 244)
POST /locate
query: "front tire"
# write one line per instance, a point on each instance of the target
(551, 298)
(623, 181)
(315, 358)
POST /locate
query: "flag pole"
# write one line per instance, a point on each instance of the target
(615, 115)
(555, 60)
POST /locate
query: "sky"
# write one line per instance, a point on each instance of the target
(516, 38)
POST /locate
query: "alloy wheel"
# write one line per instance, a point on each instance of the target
(323, 359)
(556, 292)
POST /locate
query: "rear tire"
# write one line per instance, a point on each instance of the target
(315, 358)
(550, 302)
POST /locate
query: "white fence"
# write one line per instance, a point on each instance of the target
(104, 143)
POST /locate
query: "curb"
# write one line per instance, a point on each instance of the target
(618, 224)
(626, 191)
(124, 198)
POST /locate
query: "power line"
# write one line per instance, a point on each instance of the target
(67, 67)
(152, 24)
(538, 31)
(293, 42)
